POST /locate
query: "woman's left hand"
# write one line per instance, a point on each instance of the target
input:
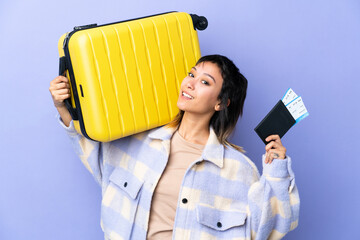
(274, 149)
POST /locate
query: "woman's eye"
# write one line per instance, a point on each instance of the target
(190, 74)
(204, 82)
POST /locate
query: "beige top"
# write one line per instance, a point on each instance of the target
(165, 198)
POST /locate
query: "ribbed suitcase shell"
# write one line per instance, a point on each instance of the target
(127, 75)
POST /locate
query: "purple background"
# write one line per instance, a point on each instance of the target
(310, 46)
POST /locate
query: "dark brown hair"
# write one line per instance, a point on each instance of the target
(233, 88)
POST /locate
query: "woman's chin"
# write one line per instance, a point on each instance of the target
(182, 109)
(181, 105)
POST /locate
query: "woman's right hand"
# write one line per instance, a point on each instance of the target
(60, 90)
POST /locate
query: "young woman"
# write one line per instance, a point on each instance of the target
(185, 180)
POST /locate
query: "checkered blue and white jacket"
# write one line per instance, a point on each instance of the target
(222, 195)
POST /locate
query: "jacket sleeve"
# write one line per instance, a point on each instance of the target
(274, 201)
(90, 152)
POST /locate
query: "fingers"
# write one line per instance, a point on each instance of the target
(274, 154)
(274, 149)
(59, 86)
(60, 90)
(275, 138)
(273, 144)
(65, 91)
(60, 82)
(61, 97)
(59, 79)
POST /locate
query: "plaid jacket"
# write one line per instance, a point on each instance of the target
(222, 195)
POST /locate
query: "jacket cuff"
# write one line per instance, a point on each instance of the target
(279, 168)
(70, 129)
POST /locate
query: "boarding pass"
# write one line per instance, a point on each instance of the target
(295, 105)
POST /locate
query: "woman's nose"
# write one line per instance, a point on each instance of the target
(190, 84)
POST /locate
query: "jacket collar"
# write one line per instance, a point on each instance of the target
(213, 151)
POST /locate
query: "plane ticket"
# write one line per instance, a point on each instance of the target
(295, 105)
(289, 96)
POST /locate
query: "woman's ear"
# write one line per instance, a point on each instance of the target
(218, 106)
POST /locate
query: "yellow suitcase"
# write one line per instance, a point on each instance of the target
(125, 76)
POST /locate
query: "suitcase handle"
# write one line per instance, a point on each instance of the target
(200, 22)
(62, 72)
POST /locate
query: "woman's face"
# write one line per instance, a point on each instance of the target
(200, 89)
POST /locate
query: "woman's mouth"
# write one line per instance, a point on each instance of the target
(187, 95)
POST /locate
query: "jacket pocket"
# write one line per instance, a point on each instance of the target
(120, 203)
(219, 220)
(126, 181)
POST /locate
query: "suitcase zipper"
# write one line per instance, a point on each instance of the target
(85, 26)
(65, 40)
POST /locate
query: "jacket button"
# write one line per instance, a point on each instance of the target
(219, 224)
(184, 200)
(125, 184)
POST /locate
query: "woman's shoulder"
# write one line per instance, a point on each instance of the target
(238, 153)
(137, 137)
(140, 138)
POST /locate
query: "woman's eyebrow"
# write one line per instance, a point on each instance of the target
(210, 77)
(206, 74)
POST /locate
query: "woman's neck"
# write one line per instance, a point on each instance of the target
(195, 129)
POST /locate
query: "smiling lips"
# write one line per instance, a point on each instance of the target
(187, 95)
